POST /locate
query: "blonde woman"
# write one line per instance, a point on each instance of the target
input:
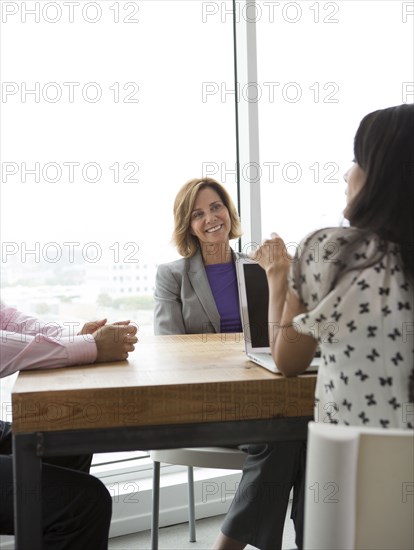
(199, 294)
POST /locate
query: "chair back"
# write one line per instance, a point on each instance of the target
(227, 458)
(359, 488)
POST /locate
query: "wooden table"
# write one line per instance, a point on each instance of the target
(175, 391)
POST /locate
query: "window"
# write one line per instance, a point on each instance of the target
(106, 110)
(321, 67)
(106, 114)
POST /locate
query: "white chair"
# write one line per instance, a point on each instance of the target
(359, 488)
(203, 457)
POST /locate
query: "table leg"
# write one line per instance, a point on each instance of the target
(155, 505)
(27, 474)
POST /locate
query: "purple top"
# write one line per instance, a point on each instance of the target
(223, 284)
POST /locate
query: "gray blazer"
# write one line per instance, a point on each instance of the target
(184, 303)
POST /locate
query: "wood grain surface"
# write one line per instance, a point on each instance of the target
(167, 380)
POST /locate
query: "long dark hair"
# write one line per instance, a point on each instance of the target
(384, 207)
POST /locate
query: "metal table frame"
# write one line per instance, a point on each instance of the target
(30, 448)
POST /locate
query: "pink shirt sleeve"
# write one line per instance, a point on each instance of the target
(28, 343)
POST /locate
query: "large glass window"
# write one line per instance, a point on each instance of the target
(321, 67)
(105, 113)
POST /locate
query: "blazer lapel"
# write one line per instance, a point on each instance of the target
(198, 278)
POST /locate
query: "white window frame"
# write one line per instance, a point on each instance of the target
(247, 122)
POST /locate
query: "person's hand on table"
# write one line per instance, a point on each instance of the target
(92, 326)
(272, 255)
(114, 342)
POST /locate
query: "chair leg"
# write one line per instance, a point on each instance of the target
(155, 506)
(191, 505)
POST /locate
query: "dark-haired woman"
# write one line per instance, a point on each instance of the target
(351, 290)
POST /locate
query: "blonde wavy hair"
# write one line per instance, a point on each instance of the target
(184, 241)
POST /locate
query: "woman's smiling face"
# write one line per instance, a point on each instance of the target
(210, 219)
